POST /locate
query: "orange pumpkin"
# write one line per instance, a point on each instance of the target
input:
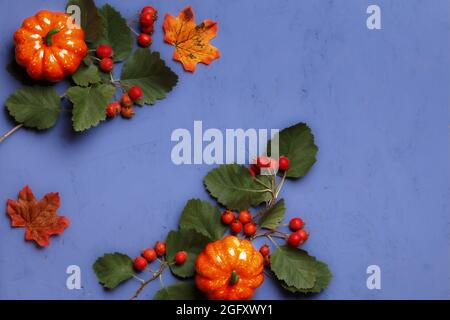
(229, 269)
(50, 45)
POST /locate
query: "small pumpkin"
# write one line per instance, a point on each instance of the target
(229, 269)
(50, 45)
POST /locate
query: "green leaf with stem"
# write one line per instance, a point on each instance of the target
(234, 187)
(297, 143)
(204, 218)
(35, 107)
(116, 33)
(147, 70)
(113, 268)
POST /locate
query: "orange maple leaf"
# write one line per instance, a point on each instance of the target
(191, 41)
(37, 216)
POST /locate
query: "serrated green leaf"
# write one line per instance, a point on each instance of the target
(234, 187)
(89, 105)
(147, 70)
(297, 143)
(323, 277)
(294, 266)
(113, 268)
(273, 216)
(86, 75)
(185, 240)
(91, 22)
(202, 217)
(179, 291)
(116, 33)
(35, 107)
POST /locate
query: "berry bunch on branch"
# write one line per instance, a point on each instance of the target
(214, 244)
(86, 54)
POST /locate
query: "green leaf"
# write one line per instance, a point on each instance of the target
(323, 277)
(116, 33)
(35, 107)
(202, 217)
(297, 143)
(294, 266)
(147, 70)
(234, 187)
(91, 22)
(86, 75)
(179, 291)
(89, 105)
(273, 216)
(113, 269)
(185, 240)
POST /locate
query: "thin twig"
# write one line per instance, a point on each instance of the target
(146, 282)
(10, 132)
(281, 184)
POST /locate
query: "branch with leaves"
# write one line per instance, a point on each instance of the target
(236, 188)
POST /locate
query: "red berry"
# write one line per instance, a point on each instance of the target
(144, 40)
(126, 101)
(303, 234)
(254, 170)
(104, 51)
(146, 19)
(113, 109)
(284, 163)
(127, 112)
(149, 254)
(180, 257)
(106, 65)
(160, 248)
(263, 162)
(245, 216)
(296, 224)
(264, 250)
(250, 229)
(148, 29)
(227, 217)
(135, 93)
(140, 264)
(236, 226)
(267, 261)
(151, 10)
(294, 239)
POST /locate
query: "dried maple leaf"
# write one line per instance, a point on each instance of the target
(37, 216)
(191, 41)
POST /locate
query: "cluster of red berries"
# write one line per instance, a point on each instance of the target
(242, 221)
(265, 162)
(147, 21)
(125, 106)
(149, 255)
(104, 53)
(298, 235)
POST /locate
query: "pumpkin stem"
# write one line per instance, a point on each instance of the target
(234, 278)
(48, 37)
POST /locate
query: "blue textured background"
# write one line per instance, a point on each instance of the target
(377, 102)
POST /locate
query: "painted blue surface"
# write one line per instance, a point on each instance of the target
(377, 102)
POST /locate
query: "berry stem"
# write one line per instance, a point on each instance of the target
(273, 241)
(281, 184)
(138, 279)
(132, 30)
(155, 276)
(10, 132)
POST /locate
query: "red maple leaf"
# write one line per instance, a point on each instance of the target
(38, 217)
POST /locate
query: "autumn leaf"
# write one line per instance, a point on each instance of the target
(38, 217)
(191, 41)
